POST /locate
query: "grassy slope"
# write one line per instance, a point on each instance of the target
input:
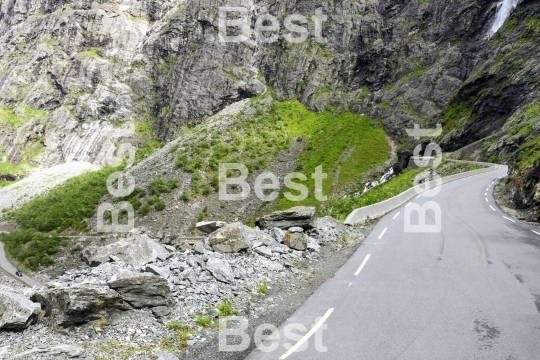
(255, 140)
(330, 137)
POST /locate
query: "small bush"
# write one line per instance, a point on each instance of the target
(158, 186)
(226, 309)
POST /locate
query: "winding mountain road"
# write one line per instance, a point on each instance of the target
(471, 291)
(6, 266)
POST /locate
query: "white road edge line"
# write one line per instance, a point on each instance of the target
(508, 219)
(308, 335)
(492, 208)
(536, 232)
(395, 216)
(380, 236)
(362, 265)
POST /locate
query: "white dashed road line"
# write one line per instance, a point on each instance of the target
(395, 216)
(308, 335)
(362, 265)
(509, 219)
(382, 234)
(408, 204)
(487, 200)
(492, 208)
(536, 232)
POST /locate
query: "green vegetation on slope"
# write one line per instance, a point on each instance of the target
(346, 143)
(530, 152)
(341, 208)
(32, 248)
(65, 206)
(19, 115)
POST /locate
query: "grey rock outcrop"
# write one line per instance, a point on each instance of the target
(16, 311)
(298, 216)
(136, 250)
(142, 290)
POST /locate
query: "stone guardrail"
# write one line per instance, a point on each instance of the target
(381, 208)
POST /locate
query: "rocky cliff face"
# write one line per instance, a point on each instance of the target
(79, 77)
(75, 74)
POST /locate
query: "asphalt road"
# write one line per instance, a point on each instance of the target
(6, 266)
(471, 291)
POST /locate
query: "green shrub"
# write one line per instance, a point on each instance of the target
(32, 248)
(204, 321)
(226, 309)
(158, 186)
(65, 206)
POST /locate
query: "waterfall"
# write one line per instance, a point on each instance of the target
(504, 9)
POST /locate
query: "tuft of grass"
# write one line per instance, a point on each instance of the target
(177, 325)
(178, 339)
(204, 321)
(93, 52)
(226, 309)
(158, 186)
(262, 288)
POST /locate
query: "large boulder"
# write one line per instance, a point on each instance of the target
(16, 311)
(209, 227)
(229, 239)
(302, 216)
(142, 290)
(220, 269)
(296, 240)
(80, 303)
(137, 250)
